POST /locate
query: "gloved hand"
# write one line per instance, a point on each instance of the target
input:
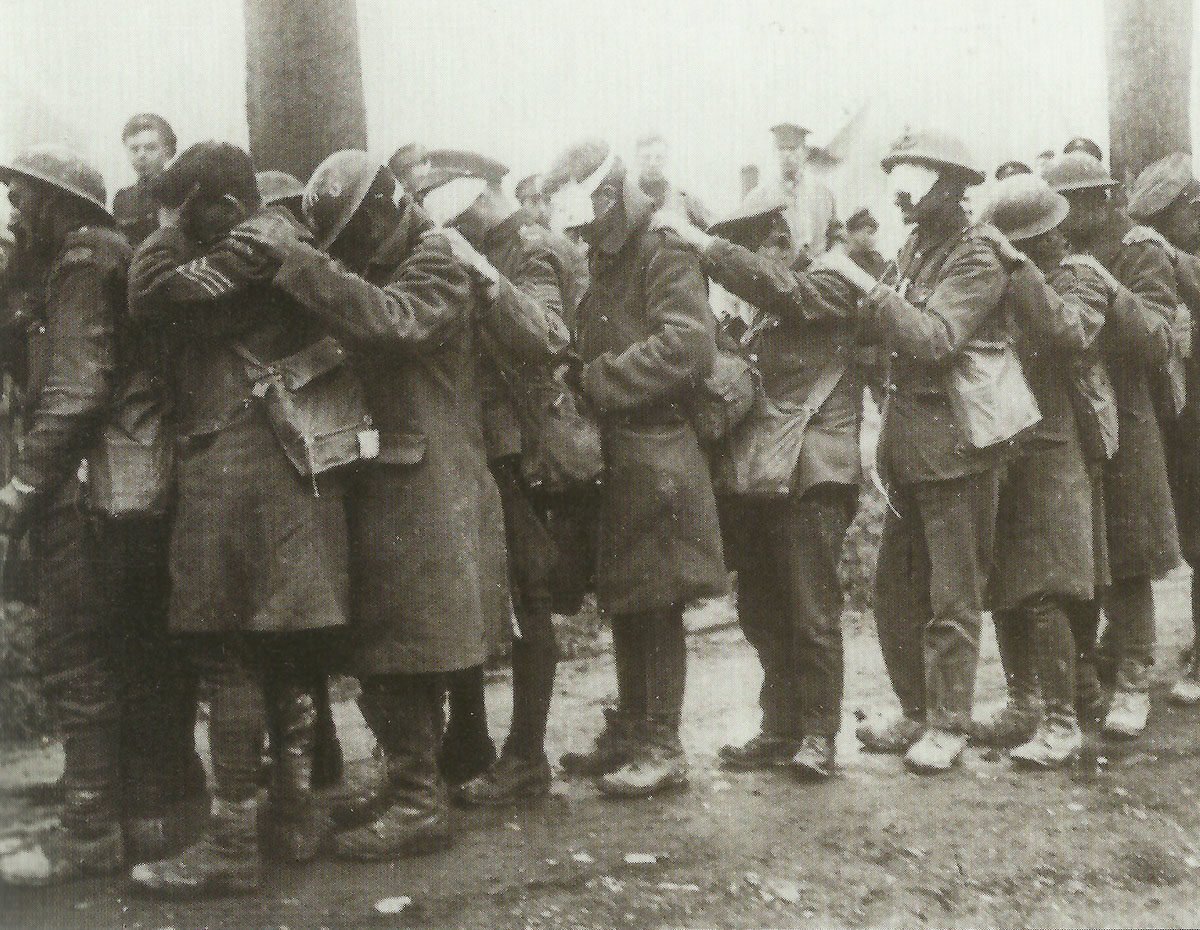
(841, 264)
(269, 234)
(1008, 252)
(678, 223)
(1091, 262)
(16, 499)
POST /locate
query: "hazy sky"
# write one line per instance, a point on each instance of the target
(520, 78)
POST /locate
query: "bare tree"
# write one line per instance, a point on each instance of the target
(304, 91)
(1149, 54)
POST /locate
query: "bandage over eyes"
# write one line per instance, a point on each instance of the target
(571, 206)
(914, 180)
(448, 202)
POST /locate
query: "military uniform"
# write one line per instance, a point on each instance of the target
(786, 552)
(532, 275)
(136, 212)
(646, 336)
(938, 534)
(1143, 539)
(1045, 555)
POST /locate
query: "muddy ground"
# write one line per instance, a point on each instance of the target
(1113, 842)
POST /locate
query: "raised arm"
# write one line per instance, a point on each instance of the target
(963, 299)
(428, 298)
(772, 286)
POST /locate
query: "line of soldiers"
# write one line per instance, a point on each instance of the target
(384, 422)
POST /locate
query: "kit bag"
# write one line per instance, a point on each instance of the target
(989, 396)
(759, 460)
(131, 471)
(725, 398)
(316, 406)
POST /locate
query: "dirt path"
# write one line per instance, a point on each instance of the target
(1115, 842)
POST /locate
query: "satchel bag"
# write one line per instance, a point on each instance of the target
(316, 407)
(560, 444)
(761, 455)
(989, 396)
(131, 471)
(725, 397)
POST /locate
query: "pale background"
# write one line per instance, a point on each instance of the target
(521, 78)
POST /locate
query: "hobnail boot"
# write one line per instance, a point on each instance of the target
(891, 737)
(935, 752)
(510, 780)
(1055, 744)
(763, 751)
(614, 746)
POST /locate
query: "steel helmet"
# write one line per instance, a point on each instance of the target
(1077, 171)
(336, 190)
(274, 186)
(59, 167)
(937, 150)
(1023, 206)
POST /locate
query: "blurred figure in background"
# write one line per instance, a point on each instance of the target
(150, 143)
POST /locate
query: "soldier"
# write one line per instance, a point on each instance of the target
(258, 551)
(120, 701)
(521, 270)
(1045, 556)
(410, 164)
(861, 230)
(786, 551)
(1166, 197)
(651, 155)
(646, 335)
(938, 531)
(533, 201)
(150, 143)
(1143, 541)
(811, 212)
(427, 546)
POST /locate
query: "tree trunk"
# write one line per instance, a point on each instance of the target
(1149, 54)
(304, 91)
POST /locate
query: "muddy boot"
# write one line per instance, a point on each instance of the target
(1127, 715)
(614, 746)
(297, 827)
(935, 752)
(87, 842)
(226, 860)
(510, 780)
(328, 759)
(657, 766)
(407, 724)
(814, 761)
(763, 751)
(1013, 725)
(890, 737)
(148, 839)
(1186, 689)
(1056, 744)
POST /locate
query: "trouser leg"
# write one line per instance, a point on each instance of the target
(76, 653)
(1129, 606)
(534, 661)
(1054, 656)
(467, 748)
(405, 714)
(237, 719)
(754, 551)
(158, 747)
(902, 607)
(1016, 637)
(816, 529)
(629, 657)
(959, 518)
(666, 667)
